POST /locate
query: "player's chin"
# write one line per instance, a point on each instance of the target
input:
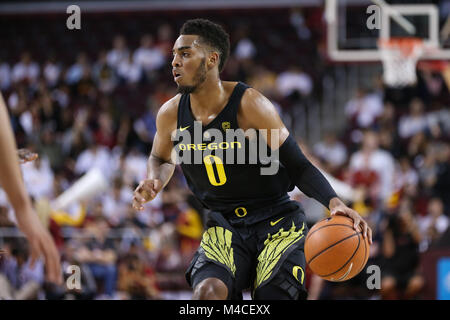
(184, 89)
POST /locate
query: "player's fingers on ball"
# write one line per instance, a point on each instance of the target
(369, 232)
(364, 228)
(356, 222)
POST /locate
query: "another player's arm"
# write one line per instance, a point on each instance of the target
(160, 166)
(38, 237)
(258, 112)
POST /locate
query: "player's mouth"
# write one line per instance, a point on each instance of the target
(176, 75)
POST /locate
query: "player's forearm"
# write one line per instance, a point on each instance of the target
(160, 169)
(10, 174)
(303, 173)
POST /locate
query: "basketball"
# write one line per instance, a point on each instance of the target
(334, 250)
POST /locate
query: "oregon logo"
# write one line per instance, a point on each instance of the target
(295, 273)
(226, 125)
(238, 211)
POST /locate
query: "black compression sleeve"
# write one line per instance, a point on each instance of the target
(305, 176)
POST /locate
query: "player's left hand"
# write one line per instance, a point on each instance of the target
(337, 207)
(26, 155)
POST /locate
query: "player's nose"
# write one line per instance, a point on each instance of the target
(176, 62)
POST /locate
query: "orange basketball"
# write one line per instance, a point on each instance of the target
(334, 250)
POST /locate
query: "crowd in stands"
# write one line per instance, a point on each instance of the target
(99, 112)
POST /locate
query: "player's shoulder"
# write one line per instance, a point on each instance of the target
(254, 101)
(256, 111)
(169, 109)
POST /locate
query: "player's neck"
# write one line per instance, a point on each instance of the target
(208, 97)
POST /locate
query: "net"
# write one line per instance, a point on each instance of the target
(399, 57)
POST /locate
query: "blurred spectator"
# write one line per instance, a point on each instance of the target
(75, 72)
(129, 71)
(38, 177)
(118, 53)
(364, 108)
(401, 278)
(414, 122)
(380, 162)
(245, 49)
(51, 72)
(5, 76)
(137, 278)
(18, 280)
(148, 56)
(298, 22)
(434, 224)
(116, 202)
(294, 80)
(145, 126)
(94, 157)
(50, 147)
(98, 252)
(25, 70)
(331, 152)
(105, 135)
(88, 287)
(263, 80)
(103, 74)
(165, 40)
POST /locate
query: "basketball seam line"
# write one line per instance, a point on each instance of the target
(349, 259)
(334, 244)
(328, 225)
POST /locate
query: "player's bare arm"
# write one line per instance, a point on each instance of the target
(258, 112)
(39, 239)
(160, 165)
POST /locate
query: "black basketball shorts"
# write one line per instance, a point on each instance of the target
(266, 257)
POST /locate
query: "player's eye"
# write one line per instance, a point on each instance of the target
(185, 54)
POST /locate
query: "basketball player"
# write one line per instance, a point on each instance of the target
(254, 234)
(40, 241)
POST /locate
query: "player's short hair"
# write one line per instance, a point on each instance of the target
(210, 33)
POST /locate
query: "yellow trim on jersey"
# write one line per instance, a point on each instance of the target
(275, 246)
(216, 242)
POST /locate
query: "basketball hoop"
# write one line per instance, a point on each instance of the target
(400, 56)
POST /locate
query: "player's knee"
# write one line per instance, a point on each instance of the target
(210, 289)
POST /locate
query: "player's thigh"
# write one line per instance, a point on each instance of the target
(222, 255)
(287, 282)
(280, 272)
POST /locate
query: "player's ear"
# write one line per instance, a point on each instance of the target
(213, 60)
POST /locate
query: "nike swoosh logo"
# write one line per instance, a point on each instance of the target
(182, 129)
(272, 223)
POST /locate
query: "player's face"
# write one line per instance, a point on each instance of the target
(189, 63)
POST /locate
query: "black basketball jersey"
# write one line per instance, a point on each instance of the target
(211, 161)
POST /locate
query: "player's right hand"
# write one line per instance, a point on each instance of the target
(145, 192)
(41, 244)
